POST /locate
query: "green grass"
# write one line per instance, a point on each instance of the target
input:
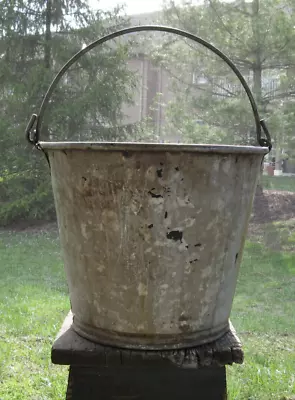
(263, 315)
(34, 301)
(285, 183)
(277, 235)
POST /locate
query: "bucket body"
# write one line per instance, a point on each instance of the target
(152, 237)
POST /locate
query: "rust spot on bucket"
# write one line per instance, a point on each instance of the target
(175, 235)
(126, 154)
(154, 195)
(137, 164)
(184, 325)
(160, 172)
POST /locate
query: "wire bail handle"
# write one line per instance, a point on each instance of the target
(34, 126)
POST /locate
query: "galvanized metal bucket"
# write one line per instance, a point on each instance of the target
(152, 234)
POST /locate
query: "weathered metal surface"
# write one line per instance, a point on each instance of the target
(152, 240)
(69, 348)
(170, 147)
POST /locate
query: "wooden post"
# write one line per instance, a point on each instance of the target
(103, 373)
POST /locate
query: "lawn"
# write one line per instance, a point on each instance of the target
(34, 301)
(285, 183)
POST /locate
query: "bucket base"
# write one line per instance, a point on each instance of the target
(148, 342)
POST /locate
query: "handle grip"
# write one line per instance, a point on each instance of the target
(34, 126)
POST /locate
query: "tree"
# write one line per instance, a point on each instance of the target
(36, 39)
(259, 37)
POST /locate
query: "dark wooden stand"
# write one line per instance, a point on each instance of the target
(104, 373)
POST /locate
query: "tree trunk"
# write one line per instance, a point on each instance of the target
(278, 164)
(47, 57)
(257, 68)
(257, 65)
(257, 79)
(47, 44)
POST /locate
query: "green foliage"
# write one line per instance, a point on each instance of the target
(36, 39)
(259, 37)
(25, 197)
(192, 130)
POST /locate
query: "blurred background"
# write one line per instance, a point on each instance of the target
(148, 86)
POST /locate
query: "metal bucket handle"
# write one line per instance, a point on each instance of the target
(34, 126)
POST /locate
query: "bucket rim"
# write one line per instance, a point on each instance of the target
(157, 147)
